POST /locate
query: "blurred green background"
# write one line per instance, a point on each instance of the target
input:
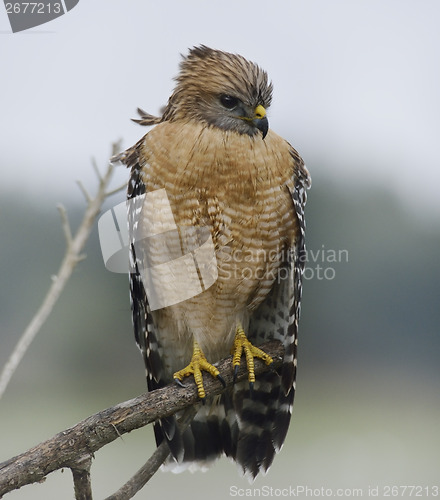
(356, 92)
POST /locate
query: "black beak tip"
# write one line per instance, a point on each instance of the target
(262, 124)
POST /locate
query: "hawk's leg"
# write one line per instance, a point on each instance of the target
(198, 364)
(241, 343)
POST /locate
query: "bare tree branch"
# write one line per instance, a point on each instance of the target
(147, 471)
(116, 190)
(74, 247)
(74, 447)
(81, 479)
(84, 191)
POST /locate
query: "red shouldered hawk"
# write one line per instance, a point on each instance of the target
(212, 175)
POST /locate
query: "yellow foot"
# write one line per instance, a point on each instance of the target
(197, 364)
(241, 343)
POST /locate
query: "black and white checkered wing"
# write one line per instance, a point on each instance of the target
(264, 417)
(142, 318)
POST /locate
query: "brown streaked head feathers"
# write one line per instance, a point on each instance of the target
(219, 88)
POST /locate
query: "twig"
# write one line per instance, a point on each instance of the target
(77, 444)
(65, 225)
(84, 191)
(71, 258)
(116, 190)
(81, 479)
(96, 169)
(143, 475)
(151, 466)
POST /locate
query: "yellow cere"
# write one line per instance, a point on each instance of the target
(260, 112)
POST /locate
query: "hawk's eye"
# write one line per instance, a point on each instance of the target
(228, 101)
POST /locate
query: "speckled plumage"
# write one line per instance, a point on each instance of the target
(249, 192)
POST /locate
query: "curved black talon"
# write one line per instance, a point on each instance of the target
(179, 382)
(251, 389)
(222, 380)
(271, 367)
(235, 373)
(203, 400)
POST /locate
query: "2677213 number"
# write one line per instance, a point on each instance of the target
(411, 491)
(33, 8)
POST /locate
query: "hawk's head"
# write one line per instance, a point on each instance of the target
(222, 89)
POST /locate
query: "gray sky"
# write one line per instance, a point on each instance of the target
(356, 86)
